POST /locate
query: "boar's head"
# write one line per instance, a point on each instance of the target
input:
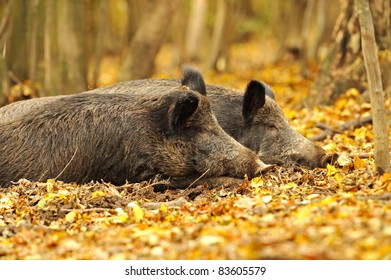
(196, 145)
(267, 131)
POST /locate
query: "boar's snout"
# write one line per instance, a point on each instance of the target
(244, 162)
(316, 157)
(262, 168)
(329, 159)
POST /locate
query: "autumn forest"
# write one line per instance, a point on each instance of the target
(327, 64)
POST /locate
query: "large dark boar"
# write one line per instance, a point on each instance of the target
(122, 137)
(253, 118)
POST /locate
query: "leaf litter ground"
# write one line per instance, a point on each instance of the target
(339, 212)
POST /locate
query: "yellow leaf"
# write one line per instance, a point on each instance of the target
(321, 183)
(331, 170)
(288, 186)
(97, 194)
(360, 133)
(163, 208)
(138, 213)
(340, 103)
(358, 162)
(48, 197)
(353, 92)
(328, 200)
(385, 177)
(313, 196)
(339, 178)
(41, 203)
(6, 202)
(256, 182)
(211, 239)
(329, 147)
(51, 181)
(70, 217)
(267, 198)
(120, 219)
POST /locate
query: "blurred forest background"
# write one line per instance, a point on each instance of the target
(51, 47)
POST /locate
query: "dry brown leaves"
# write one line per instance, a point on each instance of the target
(288, 214)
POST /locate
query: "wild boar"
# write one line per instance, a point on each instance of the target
(121, 138)
(254, 119)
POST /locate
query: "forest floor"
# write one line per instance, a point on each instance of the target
(339, 212)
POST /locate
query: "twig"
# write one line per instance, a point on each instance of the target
(196, 180)
(14, 78)
(62, 171)
(113, 190)
(86, 210)
(326, 127)
(156, 205)
(5, 21)
(362, 155)
(386, 196)
(345, 126)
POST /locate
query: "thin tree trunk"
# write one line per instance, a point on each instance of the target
(137, 8)
(195, 29)
(321, 11)
(17, 41)
(177, 37)
(98, 42)
(309, 9)
(220, 33)
(72, 46)
(4, 23)
(147, 40)
(34, 46)
(382, 156)
(289, 34)
(48, 52)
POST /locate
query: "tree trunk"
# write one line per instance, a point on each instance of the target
(177, 37)
(4, 23)
(288, 34)
(17, 42)
(195, 29)
(98, 46)
(344, 67)
(49, 73)
(382, 151)
(137, 9)
(33, 67)
(71, 46)
(309, 10)
(221, 37)
(149, 37)
(320, 23)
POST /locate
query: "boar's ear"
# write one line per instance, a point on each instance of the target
(269, 92)
(193, 79)
(254, 99)
(181, 110)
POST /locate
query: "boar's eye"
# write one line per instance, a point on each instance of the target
(272, 126)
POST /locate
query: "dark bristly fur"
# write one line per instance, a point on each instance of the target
(253, 118)
(122, 137)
